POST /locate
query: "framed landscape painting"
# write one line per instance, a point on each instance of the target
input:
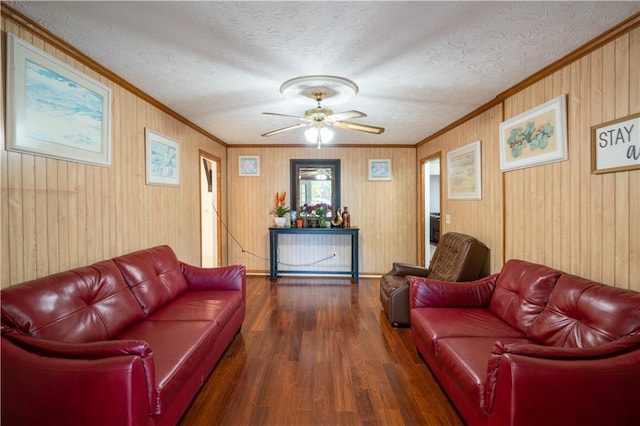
(162, 159)
(465, 173)
(53, 110)
(535, 137)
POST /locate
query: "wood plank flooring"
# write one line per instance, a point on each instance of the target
(319, 351)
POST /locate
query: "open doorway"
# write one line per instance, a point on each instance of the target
(209, 202)
(431, 196)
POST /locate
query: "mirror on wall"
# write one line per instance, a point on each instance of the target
(315, 181)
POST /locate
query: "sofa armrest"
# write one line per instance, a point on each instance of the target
(404, 269)
(532, 385)
(426, 292)
(94, 383)
(231, 277)
(616, 347)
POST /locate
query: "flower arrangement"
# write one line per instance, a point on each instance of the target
(280, 208)
(319, 209)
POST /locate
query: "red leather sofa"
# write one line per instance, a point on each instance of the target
(126, 341)
(531, 346)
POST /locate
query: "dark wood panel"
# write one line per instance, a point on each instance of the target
(319, 351)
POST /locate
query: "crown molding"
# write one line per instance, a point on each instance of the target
(608, 36)
(7, 12)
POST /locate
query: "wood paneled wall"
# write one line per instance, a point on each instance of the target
(479, 218)
(384, 211)
(57, 215)
(559, 214)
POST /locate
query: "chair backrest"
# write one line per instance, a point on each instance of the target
(458, 257)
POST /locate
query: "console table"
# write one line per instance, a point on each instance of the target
(274, 232)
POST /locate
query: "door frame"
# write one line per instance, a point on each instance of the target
(217, 183)
(423, 214)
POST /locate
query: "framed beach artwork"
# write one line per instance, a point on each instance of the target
(535, 137)
(248, 165)
(162, 159)
(53, 110)
(380, 169)
(464, 170)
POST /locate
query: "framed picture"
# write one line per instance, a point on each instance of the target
(248, 165)
(380, 169)
(53, 110)
(535, 137)
(615, 145)
(464, 170)
(162, 159)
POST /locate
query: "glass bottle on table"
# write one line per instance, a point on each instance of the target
(346, 218)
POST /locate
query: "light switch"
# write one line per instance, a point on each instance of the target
(447, 219)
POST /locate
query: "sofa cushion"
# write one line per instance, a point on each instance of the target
(465, 360)
(178, 347)
(582, 314)
(433, 324)
(82, 305)
(217, 306)
(522, 290)
(154, 276)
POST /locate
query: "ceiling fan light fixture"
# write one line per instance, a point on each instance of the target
(311, 134)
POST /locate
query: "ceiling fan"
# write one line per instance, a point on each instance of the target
(319, 118)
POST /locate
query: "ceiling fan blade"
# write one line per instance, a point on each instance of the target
(344, 115)
(284, 129)
(286, 115)
(360, 127)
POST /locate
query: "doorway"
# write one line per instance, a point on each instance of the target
(209, 218)
(431, 196)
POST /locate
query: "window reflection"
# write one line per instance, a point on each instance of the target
(315, 181)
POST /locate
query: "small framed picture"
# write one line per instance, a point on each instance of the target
(162, 158)
(380, 169)
(248, 165)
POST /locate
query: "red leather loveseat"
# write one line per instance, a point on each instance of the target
(531, 346)
(126, 341)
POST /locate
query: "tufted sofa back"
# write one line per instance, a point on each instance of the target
(94, 302)
(82, 305)
(154, 276)
(583, 314)
(521, 293)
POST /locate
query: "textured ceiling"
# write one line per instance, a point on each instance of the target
(419, 65)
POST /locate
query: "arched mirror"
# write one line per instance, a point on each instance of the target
(315, 181)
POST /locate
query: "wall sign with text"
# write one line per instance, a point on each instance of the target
(615, 145)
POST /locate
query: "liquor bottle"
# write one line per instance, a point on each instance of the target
(346, 218)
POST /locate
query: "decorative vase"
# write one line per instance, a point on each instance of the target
(280, 221)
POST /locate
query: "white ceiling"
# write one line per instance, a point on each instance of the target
(419, 65)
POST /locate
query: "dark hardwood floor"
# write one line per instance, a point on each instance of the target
(319, 351)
